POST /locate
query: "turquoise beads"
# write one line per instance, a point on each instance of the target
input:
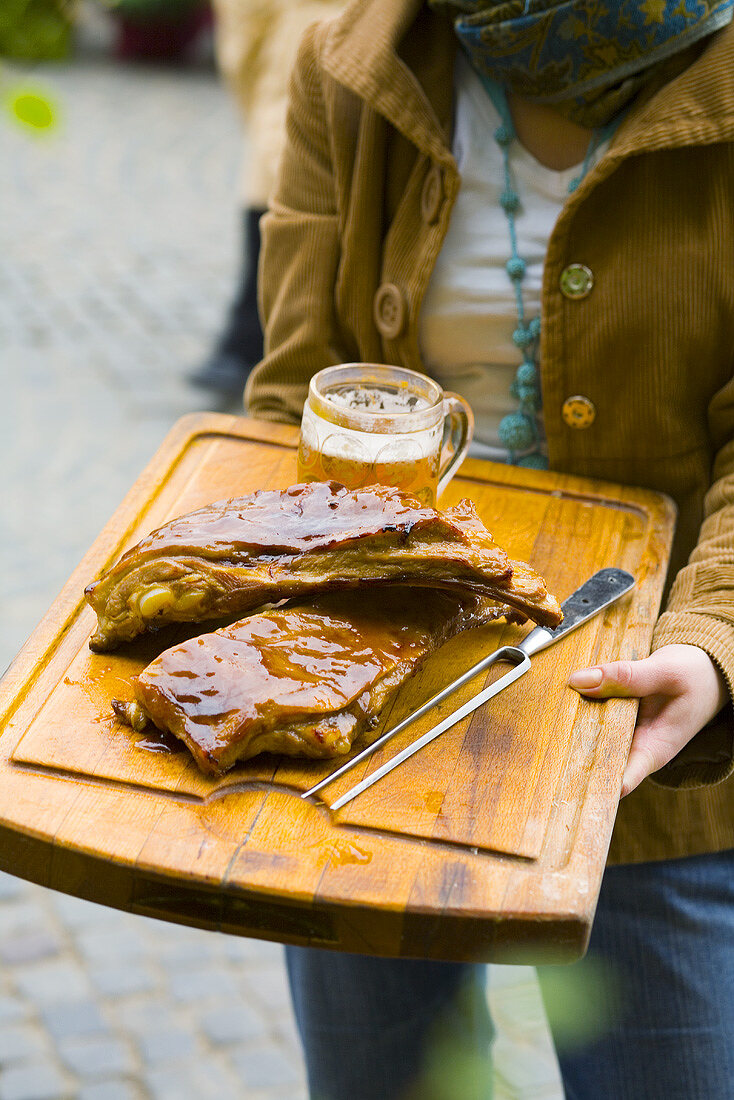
(518, 431)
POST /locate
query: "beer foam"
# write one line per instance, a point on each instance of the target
(377, 399)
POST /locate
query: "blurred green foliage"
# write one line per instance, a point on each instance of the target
(582, 1003)
(35, 30)
(32, 109)
(31, 31)
(454, 1067)
(142, 11)
(454, 1072)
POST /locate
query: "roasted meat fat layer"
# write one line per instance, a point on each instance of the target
(300, 680)
(234, 556)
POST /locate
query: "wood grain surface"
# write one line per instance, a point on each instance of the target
(490, 844)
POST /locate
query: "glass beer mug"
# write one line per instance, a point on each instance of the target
(364, 423)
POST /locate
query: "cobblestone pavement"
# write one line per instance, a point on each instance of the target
(118, 256)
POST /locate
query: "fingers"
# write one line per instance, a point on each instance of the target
(661, 733)
(647, 680)
(641, 762)
(680, 689)
(655, 741)
(628, 679)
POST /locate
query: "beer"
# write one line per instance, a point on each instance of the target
(366, 424)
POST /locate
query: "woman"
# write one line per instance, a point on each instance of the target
(530, 199)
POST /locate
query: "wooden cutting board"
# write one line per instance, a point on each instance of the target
(490, 844)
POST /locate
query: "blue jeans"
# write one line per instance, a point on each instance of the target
(403, 1029)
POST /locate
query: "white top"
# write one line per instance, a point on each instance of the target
(469, 312)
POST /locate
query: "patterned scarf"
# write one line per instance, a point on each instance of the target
(588, 58)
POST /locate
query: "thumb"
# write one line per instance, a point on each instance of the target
(622, 679)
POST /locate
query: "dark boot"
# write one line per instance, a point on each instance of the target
(240, 347)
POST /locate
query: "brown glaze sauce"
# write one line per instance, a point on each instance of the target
(303, 517)
(291, 664)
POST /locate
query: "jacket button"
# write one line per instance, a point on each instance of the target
(432, 195)
(578, 411)
(576, 281)
(389, 310)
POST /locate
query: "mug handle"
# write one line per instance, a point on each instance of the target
(458, 429)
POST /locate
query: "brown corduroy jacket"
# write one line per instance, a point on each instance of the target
(362, 205)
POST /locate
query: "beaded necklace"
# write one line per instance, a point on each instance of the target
(518, 431)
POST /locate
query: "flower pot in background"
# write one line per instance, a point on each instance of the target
(157, 30)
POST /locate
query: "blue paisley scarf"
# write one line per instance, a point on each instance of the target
(587, 57)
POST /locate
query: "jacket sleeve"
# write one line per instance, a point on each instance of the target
(300, 253)
(700, 612)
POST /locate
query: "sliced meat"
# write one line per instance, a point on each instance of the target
(237, 555)
(301, 680)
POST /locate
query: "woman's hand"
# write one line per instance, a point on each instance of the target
(680, 690)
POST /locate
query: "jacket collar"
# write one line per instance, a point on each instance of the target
(397, 55)
(695, 108)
